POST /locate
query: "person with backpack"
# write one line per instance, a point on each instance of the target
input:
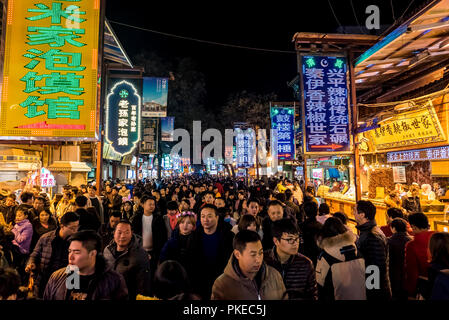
(340, 269)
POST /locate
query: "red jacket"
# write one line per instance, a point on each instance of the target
(417, 259)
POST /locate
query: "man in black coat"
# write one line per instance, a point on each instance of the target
(88, 219)
(373, 246)
(210, 250)
(309, 231)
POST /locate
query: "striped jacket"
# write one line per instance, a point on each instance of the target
(298, 275)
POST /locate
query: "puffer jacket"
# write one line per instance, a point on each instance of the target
(107, 285)
(23, 234)
(41, 257)
(373, 247)
(233, 285)
(133, 264)
(298, 274)
(340, 270)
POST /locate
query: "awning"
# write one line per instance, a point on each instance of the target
(421, 44)
(113, 49)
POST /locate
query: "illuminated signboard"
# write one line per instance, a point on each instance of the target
(283, 120)
(155, 95)
(325, 107)
(149, 132)
(245, 147)
(167, 127)
(408, 129)
(47, 179)
(123, 108)
(49, 84)
(439, 153)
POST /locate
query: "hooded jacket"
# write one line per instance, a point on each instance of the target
(373, 247)
(107, 284)
(340, 270)
(298, 274)
(233, 285)
(133, 264)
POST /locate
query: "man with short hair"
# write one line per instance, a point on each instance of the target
(96, 202)
(275, 212)
(171, 218)
(38, 207)
(26, 199)
(373, 247)
(88, 220)
(220, 202)
(149, 225)
(9, 208)
(106, 231)
(97, 280)
(126, 256)
(51, 251)
(247, 276)
(296, 269)
(208, 198)
(417, 255)
(393, 213)
(210, 249)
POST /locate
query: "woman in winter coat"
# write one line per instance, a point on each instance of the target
(340, 270)
(42, 224)
(176, 248)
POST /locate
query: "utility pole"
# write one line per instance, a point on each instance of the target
(358, 189)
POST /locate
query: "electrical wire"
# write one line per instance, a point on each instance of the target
(392, 9)
(335, 16)
(400, 18)
(203, 41)
(356, 19)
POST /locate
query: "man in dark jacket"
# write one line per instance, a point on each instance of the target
(106, 231)
(9, 209)
(88, 220)
(276, 212)
(51, 251)
(210, 250)
(126, 256)
(297, 270)
(373, 247)
(309, 231)
(96, 280)
(396, 246)
(150, 226)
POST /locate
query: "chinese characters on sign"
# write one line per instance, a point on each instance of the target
(439, 153)
(149, 140)
(410, 128)
(123, 116)
(49, 84)
(282, 120)
(325, 104)
(47, 179)
(245, 146)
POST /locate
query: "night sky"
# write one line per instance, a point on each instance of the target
(254, 24)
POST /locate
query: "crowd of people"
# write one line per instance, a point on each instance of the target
(202, 238)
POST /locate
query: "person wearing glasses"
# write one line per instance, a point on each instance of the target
(296, 269)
